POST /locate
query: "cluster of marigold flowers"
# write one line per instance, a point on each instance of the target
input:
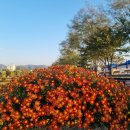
(64, 96)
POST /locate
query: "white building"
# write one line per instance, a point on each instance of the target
(123, 68)
(11, 67)
(120, 69)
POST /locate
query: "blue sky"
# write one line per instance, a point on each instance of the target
(31, 30)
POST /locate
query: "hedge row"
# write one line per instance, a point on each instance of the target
(64, 96)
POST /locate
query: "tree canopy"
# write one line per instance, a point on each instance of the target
(102, 36)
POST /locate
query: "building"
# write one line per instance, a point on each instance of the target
(117, 69)
(123, 68)
(11, 67)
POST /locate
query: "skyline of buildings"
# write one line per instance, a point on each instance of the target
(11, 67)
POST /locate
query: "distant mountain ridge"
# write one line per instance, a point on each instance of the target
(2, 66)
(30, 67)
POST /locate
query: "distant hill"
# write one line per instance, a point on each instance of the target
(2, 66)
(30, 67)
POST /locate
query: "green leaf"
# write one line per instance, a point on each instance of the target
(94, 85)
(19, 92)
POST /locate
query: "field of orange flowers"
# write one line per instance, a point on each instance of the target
(64, 96)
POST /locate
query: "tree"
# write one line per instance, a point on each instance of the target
(83, 26)
(99, 36)
(68, 55)
(104, 46)
(8, 73)
(121, 15)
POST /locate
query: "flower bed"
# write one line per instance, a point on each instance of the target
(64, 96)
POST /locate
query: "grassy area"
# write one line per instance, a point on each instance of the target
(4, 83)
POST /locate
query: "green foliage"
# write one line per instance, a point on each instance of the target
(16, 106)
(99, 36)
(19, 92)
(3, 74)
(2, 99)
(12, 74)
